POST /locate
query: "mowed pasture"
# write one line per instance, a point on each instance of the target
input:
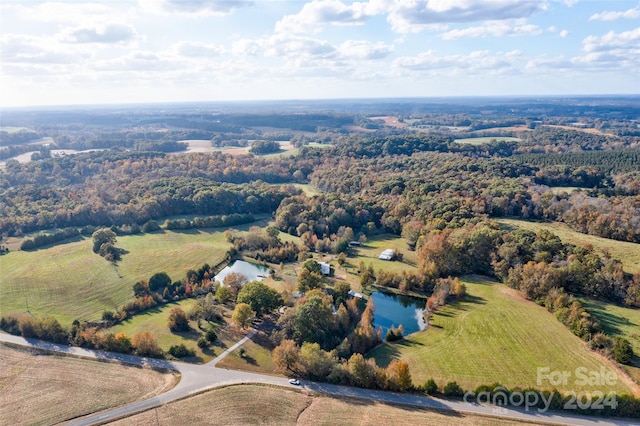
(39, 388)
(256, 404)
(70, 282)
(628, 253)
(495, 336)
(156, 321)
(371, 249)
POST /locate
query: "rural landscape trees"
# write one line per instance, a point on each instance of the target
(450, 183)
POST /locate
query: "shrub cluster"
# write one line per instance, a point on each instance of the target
(44, 239)
(621, 405)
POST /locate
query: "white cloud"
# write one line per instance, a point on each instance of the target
(22, 49)
(139, 61)
(193, 7)
(284, 45)
(485, 61)
(544, 64)
(613, 16)
(314, 15)
(111, 33)
(409, 16)
(494, 29)
(64, 12)
(406, 16)
(563, 33)
(611, 50)
(197, 49)
(627, 40)
(362, 49)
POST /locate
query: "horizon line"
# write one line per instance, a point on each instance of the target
(319, 100)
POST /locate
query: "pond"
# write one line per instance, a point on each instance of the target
(393, 310)
(252, 271)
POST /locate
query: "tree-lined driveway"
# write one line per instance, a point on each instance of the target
(197, 378)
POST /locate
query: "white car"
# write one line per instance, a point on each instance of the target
(294, 382)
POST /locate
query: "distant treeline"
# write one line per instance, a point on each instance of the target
(44, 239)
(19, 137)
(210, 222)
(608, 162)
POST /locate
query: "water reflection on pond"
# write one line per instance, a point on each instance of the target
(252, 271)
(393, 310)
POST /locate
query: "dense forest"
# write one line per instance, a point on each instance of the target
(377, 180)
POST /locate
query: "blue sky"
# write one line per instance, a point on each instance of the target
(117, 51)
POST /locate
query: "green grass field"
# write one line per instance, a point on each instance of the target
(257, 357)
(155, 321)
(369, 252)
(486, 139)
(308, 190)
(494, 336)
(619, 321)
(70, 282)
(627, 253)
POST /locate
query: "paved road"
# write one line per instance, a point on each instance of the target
(196, 378)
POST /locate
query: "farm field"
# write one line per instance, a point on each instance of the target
(197, 145)
(619, 321)
(390, 121)
(628, 253)
(578, 129)
(252, 404)
(38, 388)
(205, 146)
(486, 139)
(564, 189)
(494, 336)
(70, 282)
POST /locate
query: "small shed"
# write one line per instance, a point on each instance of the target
(388, 254)
(356, 294)
(325, 267)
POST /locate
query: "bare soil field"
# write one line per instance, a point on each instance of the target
(390, 121)
(197, 145)
(40, 388)
(252, 404)
(360, 129)
(267, 129)
(580, 129)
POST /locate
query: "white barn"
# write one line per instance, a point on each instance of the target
(388, 254)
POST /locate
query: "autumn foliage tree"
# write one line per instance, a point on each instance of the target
(178, 320)
(242, 315)
(146, 344)
(286, 356)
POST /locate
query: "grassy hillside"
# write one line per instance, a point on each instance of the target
(493, 336)
(156, 321)
(619, 321)
(69, 281)
(252, 404)
(628, 253)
